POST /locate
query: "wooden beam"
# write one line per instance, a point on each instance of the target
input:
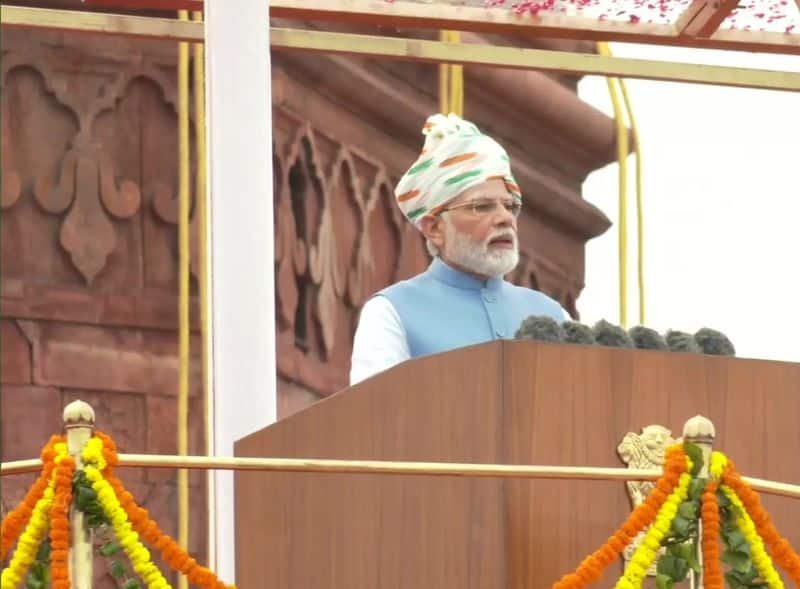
(536, 59)
(100, 22)
(702, 18)
(161, 5)
(759, 41)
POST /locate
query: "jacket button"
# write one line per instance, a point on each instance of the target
(500, 333)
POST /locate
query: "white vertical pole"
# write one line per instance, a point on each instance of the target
(79, 425)
(700, 431)
(241, 242)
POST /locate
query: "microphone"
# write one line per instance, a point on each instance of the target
(545, 329)
(540, 328)
(578, 333)
(714, 342)
(645, 338)
(607, 334)
(680, 341)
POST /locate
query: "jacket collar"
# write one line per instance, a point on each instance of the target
(442, 272)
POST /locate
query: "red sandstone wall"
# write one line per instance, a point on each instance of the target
(88, 285)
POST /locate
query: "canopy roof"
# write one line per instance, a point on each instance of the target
(755, 25)
(770, 26)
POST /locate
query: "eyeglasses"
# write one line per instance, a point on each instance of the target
(486, 207)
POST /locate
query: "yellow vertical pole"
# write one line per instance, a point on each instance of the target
(451, 80)
(202, 221)
(637, 151)
(444, 81)
(202, 214)
(622, 156)
(183, 296)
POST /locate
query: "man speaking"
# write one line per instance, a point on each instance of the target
(461, 195)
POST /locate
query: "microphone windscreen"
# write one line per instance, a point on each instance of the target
(645, 338)
(578, 333)
(607, 334)
(679, 341)
(714, 342)
(540, 328)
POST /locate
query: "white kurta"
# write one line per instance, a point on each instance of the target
(380, 340)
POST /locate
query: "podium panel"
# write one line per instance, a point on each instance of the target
(502, 402)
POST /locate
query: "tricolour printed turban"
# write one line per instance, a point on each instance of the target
(456, 156)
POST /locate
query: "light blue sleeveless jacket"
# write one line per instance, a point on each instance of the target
(444, 308)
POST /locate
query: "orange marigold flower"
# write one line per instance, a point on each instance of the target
(592, 567)
(779, 547)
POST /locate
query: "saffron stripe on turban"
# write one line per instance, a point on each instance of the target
(456, 156)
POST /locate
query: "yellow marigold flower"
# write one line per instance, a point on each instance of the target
(640, 559)
(652, 543)
(670, 508)
(29, 541)
(92, 453)
(761, 559)
(637, 570)
(645, 554)
(718, 463)
(128, 539)
(658, 535)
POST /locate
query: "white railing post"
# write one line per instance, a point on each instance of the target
(700, 431)
(79, 426)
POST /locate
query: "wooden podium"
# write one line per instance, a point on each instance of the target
(501, 402)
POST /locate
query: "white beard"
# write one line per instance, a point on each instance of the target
(476, 257)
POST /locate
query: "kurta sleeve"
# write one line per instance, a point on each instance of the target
(380, 341)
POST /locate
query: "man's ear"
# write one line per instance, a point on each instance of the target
(433, 229)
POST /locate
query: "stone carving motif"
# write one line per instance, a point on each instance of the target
(165, 204)
(11, 183)
(332, 210)
(85, 188)
(643, 451)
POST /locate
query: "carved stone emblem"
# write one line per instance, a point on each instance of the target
(643, 451)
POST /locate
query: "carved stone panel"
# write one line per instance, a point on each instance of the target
(339, 238)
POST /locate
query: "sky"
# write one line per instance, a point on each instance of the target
(721, 204)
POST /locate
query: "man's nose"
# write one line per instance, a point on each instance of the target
(503, 217)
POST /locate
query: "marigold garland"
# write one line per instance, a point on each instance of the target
(59, 519)
(645, 554)
(48, 501)
(170, 550)
(28, 543)
(16, 520)
(780, 548)
(709, 513)
(128, 538)
(760, 558)
(592, 567)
